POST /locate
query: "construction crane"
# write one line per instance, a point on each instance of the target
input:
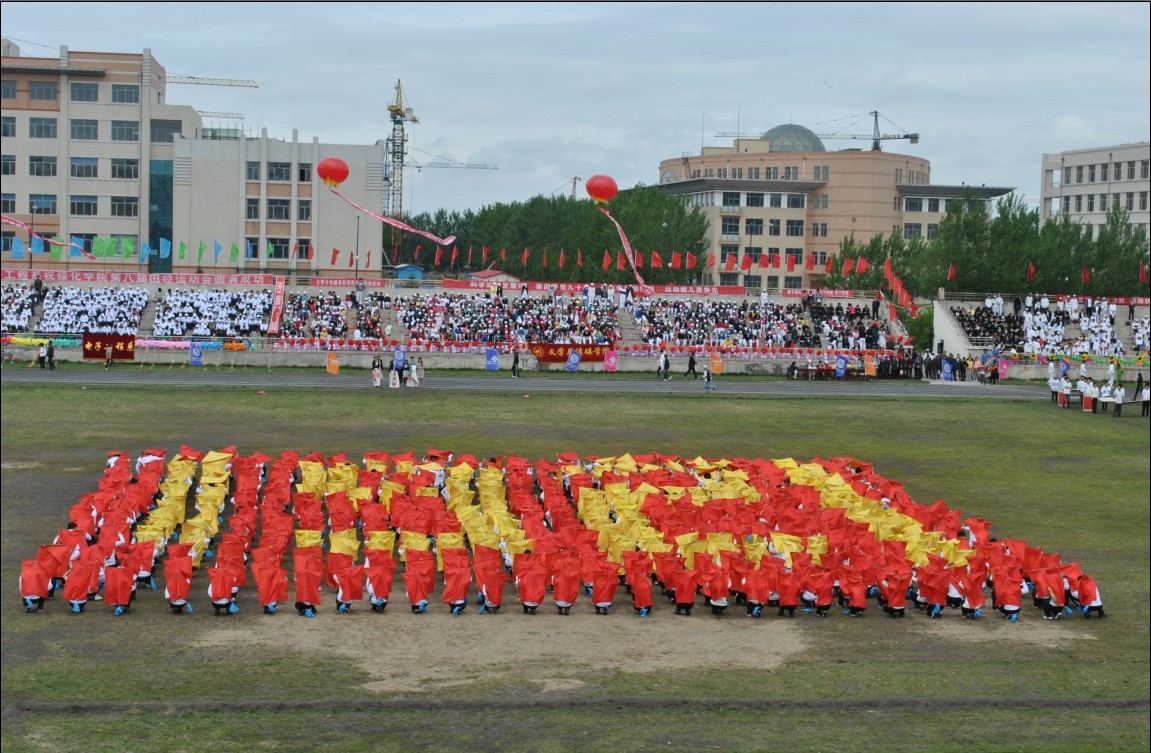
(449, 163)
(397, 150)
(202, 81)
(224, 115)
(874, 137)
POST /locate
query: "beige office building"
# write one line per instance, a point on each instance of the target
(1085, 183)
(785, 195)
(91, 149)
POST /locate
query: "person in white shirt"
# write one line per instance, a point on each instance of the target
(1120, 396)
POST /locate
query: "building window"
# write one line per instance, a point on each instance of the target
(125, 206)
(279, 171)
(8, 203)
(933, 205)
(125, 130)
(251, 248)
(303, 248)
(1079, 173)
(815, 230)
(84, 129)
(165, 131)
(42, 91)
(279, 209)
(126, 94)
(754, 252)
(795, 228)
(42, 203)
(253, 171)
(1118, 170)
(83, 206)
(84, 92)
(932, 229)
(8, 126)
(1091, 173)
(1066, 204)
(304, 210)
(1102, 202)
(42, 167)
(729, 226)
(42, 128)
(789, 173)
(755, 199)
(252, 209)
(753, 174)
(911, 204)
(775, 200)
(8, 164)
(912, 230)
(1130, 205)
(126, 169)
(898, 175)
(731, 200)
(792, 282)
(1144, 169)
(84, 167)
(1066, 175)
(1078, 203)
(6, 240)
(797, 253)
(796, 201)
(753, 227)
(737, 173)
(8, 89)
(1090, 202)
(280, 248)
(1131, 170)
(721, 172)
(1142, 201)
(773, 227)
(304, 172)
(726, 250)
(1103, 171)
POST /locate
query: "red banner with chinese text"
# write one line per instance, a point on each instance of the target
(558, 353)
(123, 347)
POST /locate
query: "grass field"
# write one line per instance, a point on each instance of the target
(1073, 484)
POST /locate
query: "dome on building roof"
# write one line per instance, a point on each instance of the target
(793, 138)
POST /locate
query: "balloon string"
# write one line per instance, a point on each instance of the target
(17, 223)
(644, 288)
(395, 223)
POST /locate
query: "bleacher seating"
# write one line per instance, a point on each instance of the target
(18, 307)
(74, 310)
(212, 313)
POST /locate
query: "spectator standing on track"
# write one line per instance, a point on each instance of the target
(691, 367)
(51, 356)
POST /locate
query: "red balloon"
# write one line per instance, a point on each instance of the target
(333, 171)
(601, 188)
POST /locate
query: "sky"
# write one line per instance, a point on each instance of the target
(548, 92)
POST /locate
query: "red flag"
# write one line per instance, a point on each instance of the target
(503, 254)
(638, 260)
(606, 259)
(545, 258)
(1086, 275)
(745, 264)
(416, 254)
(1030, 271)
(311, 251)
(764, 261)
(827, 267)
(861, 266)
(486, 249)
(656, 261)
(469, 256)
(296, 250)
(790, 263)
(676, 260)
(848, 266)
(620, 263)
(579, 257)
(561, 258)
(811, 262)
(1142, 273)
(914, 310)
(439, 255)
(730, 265)
(951, 273)
(775, 261)
(368, 260)
(335, 256)
(887, 267)
(891, 312)
(455, 255)
(524, 257)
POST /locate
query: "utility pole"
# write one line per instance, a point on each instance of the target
(357, 246)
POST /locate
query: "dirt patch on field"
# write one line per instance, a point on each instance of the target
(434, 651)
(18, 466)
(1032, 630)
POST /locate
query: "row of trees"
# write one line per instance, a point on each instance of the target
(652, 219)
(992, 254)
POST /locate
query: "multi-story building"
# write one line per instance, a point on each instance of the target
(784, 195)
(91, 149)
(1084, 184)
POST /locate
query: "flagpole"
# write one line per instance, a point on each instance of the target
(357, 246)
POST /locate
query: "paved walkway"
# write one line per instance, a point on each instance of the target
(603, 383)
